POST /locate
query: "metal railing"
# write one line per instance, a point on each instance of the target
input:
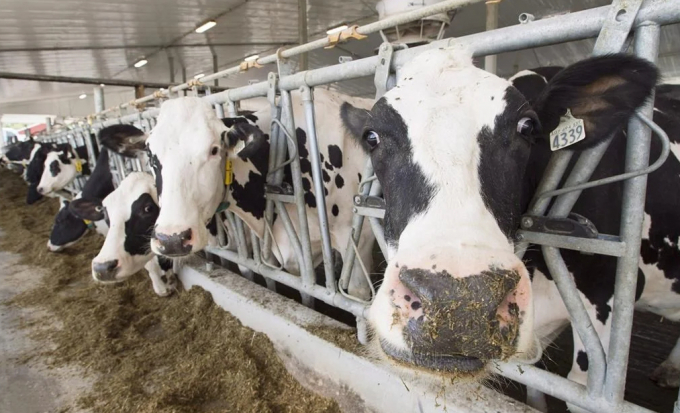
(611, 24)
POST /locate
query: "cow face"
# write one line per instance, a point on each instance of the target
(131, 212)
(58, 171)
(67, 229)
(450, 145)
(188, 149)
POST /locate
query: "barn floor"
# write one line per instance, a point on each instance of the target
(29, 387)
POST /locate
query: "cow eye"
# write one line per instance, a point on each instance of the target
(371, 138)
(147, 208)
(99, 208)
(214, 151)
(526, 126)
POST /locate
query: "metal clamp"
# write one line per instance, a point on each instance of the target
(348, 33)
(382, 70)
(248, 64)
(617, 26)
(194, 83)
(574, 226)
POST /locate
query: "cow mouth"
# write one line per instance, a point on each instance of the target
(448, 363)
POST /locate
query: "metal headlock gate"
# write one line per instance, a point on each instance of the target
(611, 25)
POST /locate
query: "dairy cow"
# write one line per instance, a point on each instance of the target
(188, 149)
(60, 167)
(129, 213)
(69, 228)
(459, 153)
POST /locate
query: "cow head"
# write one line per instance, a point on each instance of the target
(130, 211)
(450, 145)
(58, 171)
(187, 150)
(67, 229)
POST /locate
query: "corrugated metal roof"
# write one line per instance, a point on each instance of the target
(104, 38)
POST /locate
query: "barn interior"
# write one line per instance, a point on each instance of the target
(62, 62)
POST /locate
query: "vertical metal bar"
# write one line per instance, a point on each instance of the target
(274, 150)
(171, 68)
(632, 214)
(241, 246)
(48, 125)
(580, 320)
(491, 24)
(215, 70)
(326, 248)
(357, 224)
(302, 32)
(98, 92)
(306, 266)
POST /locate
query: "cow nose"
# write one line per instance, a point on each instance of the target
(41, 190)
(105, 271)
(174, 245)
(468, 320)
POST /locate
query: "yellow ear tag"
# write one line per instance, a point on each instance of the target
(229, 173)
(88, 223)
(79, 166)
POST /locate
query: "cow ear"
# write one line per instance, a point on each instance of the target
(354, 119)
(603, 91)
(243, 140)
(90, 209)
(125, 140)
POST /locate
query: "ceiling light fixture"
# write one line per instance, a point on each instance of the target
(141, 63)
(83, 96)
(206, 26)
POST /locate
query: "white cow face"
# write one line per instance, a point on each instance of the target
(187, 150)
(59, 170)
(450, 145)
(130, 211)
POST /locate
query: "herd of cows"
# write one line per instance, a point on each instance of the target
(459, 153)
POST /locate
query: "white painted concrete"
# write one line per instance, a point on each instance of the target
(370, 386)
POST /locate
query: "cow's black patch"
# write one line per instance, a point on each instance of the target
(582, 360)
(326, 177)
(164, 262)
(305, 164)
(306, 185)
(339, 182)
(359, 176)
(164, 278)
(503, 157)
(394, 165)
(328, 166)
(250, 196)
(335, 155)
(55, 169)
(310, 200)
(212, 226)
(139, 227)
(335, 210)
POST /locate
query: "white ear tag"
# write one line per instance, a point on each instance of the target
(568, 132)
(239, 146)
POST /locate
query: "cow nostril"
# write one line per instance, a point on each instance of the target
(185, 235)
(40, 190)
(105, 267)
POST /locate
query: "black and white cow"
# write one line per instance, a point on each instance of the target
(459, 153)
(189, 146)
(69, 228)
(60, 167)
(16, 155)
(130, 213)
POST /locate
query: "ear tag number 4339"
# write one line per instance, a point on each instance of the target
(568, 132)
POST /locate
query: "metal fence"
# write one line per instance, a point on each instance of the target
(611, 25)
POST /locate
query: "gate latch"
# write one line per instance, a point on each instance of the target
(574, 225)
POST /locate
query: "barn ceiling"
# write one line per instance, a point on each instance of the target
(104, 38)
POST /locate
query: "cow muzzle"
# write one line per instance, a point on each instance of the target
(452, 321)
(105, 272)
(178, 244)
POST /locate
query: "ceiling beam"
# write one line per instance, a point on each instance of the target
(84, 80)
(153, 46)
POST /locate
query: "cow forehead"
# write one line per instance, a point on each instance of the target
(51, 157)
(118, 202)
(188, 122)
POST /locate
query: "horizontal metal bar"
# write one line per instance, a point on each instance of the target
(148, 46)
(370, 212)
(317, 291)
(561, 388)
(288, 199)
(604, 244)
(81, 80)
